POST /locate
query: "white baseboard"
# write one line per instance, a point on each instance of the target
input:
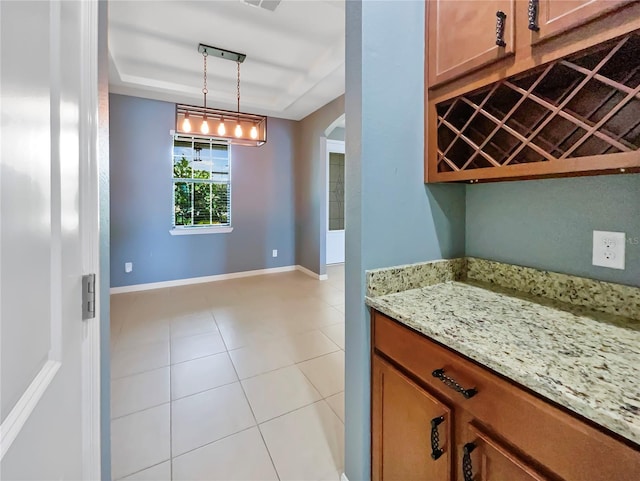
(320, 277)
(343, 477)
(200, 280)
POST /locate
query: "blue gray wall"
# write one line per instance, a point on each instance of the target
(392, 217)
(310, 173)
(141, 201)
(548, 224)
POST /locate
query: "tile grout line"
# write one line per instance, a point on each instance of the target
(140, 372)
(143, 469)
(295, 363)
(212, 442)
(142, 410)
(282, 336)
(315, 387)
(275, 470)
(297, 409)
(254, 416)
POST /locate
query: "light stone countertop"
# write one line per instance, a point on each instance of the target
(585, 360)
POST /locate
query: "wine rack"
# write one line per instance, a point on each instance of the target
(578, 115)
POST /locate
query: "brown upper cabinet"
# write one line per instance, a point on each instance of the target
(548, 18)
(466, 35)
(531, 89)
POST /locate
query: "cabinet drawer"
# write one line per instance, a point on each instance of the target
(559, 441)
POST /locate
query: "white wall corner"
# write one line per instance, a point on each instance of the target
(343, 477)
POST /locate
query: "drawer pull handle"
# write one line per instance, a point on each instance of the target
(533, 15)
(500, 18)
(467, 468)
(436, 452)
(450, 382)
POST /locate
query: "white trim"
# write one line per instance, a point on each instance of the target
(343, 477)
(90, 237)
(339, 122)
(200, 230)
(304, 270)
(200, 280)
(15, 421)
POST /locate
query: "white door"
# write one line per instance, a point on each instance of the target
(49, 409)
(335, 201)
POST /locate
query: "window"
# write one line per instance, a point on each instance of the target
(201, 183)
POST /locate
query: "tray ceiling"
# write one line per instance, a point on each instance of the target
(295, 54)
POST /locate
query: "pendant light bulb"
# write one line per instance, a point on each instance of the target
(222, 130)
(186, 123)
(254, 132)
(204, 128)
(238, 130)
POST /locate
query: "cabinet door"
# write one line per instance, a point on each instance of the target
(487, 459)
(462, 36)
(404, 419)
(557, 16)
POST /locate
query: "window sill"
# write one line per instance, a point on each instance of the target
(201, 230)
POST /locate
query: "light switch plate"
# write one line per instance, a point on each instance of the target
(609, 249)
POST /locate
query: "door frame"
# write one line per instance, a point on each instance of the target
(335, 146)
(90, 238)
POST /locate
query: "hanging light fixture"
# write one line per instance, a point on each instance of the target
(249, 130)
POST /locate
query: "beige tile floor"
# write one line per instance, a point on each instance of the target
(230, 380)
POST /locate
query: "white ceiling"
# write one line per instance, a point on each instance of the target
(294, 64)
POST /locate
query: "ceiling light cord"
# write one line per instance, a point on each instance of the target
(205, 90)
(238, 130)
(238, 90)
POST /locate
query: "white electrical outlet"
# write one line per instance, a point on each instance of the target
(128, 266)
(274, 253)
(608, 249)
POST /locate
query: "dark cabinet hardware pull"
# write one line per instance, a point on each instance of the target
(436, 452)
(450, 382)
(533, 15)
(500, 18)
(467, 468)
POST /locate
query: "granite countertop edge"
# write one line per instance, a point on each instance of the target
(605, 418)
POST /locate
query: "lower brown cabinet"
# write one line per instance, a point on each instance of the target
(412, 429)
(412, 434)
(487, 459)
(437, 416)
